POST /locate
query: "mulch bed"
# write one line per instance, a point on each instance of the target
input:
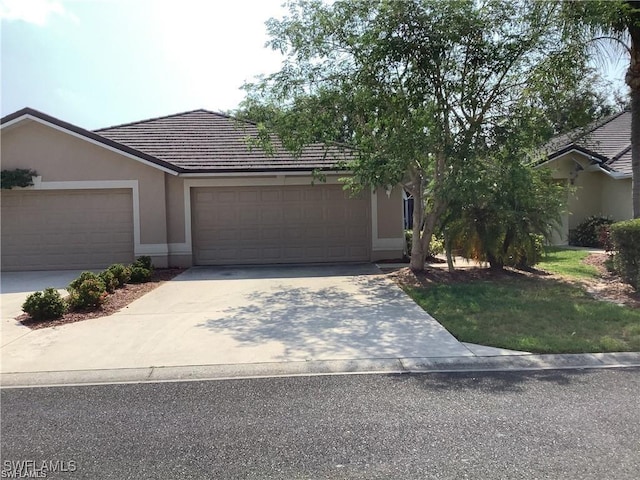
(114, 303)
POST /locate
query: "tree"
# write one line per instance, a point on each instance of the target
(617, 22)
(421, 89)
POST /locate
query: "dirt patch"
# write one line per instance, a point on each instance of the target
(608, 287)
(114, 303)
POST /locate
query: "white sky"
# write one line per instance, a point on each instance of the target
(96, 63)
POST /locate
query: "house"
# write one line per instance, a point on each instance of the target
(186, 190)
(597, 162)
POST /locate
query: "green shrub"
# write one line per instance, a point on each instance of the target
(121, 274)
(144, 262)
(589, 232)
(45, 305)
(89, 295)
(625, 237)
(109, 280)
(139, 274)
(526, 254)
(436, 246)
(82, 278)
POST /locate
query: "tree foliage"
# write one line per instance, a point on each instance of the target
(426, 92)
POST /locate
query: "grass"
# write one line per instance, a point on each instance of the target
(567, 262)
(531, 314)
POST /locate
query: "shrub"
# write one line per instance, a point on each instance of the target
(139, 274)
(121, 274)
(82, 278)
(109, 280)
(589, 232)
(625, 237)
(45, 305)
(144, 262)
(436, 246)
(89, 295)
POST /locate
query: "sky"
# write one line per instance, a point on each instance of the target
(97, 63)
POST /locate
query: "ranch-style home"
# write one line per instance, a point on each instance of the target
(597, 163)
(185, 189)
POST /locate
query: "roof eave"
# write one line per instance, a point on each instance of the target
(78, 132)
(261, 172)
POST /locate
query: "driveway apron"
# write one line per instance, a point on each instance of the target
(245, 315)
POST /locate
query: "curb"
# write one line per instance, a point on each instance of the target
(503, 363)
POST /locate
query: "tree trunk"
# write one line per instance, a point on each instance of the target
(418, 255)
(447, 251)
(635, 150)
(632, 79)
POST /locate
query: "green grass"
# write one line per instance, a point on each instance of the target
(531, 314)
(567, 262)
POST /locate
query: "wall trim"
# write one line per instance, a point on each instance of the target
(377, 243)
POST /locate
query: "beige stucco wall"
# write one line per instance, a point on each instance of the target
(164, 221)
(616, 198)
(58, 156)
(587, 197)
(390, 221)
(594, 193)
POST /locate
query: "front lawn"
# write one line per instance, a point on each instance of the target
(534, 312)
(567, 262)
(538, 315)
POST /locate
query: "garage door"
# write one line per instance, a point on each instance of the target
(66, 229)
(292, 224)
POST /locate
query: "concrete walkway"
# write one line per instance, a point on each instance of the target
(238, 322)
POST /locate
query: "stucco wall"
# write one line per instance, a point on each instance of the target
(616, 198)
(60, 157)
(595, 193)
(587, 199)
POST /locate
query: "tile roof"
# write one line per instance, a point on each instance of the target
(204, 141)
(607, 141)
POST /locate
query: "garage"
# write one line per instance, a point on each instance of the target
(279, 224)
(66, 229)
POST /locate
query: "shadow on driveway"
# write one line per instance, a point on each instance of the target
(361, 316)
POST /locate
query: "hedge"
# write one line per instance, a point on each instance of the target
(625, 237)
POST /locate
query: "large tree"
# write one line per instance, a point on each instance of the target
(419, 88)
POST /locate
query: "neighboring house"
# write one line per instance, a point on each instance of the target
(597, 162)
(184, 189)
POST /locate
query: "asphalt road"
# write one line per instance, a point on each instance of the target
(578, 424)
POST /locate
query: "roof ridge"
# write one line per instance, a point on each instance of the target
(620, 154)
(162, 117)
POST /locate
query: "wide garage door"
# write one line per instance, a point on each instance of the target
(66, 229)
(287, 224)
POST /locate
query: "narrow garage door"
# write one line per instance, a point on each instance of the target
(289, 224)
(66, 229)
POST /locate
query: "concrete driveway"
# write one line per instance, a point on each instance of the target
(240, 315)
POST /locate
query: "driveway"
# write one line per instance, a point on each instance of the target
(242, 315)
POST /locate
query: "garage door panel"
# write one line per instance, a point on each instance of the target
(66, 229)
(286, 224)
